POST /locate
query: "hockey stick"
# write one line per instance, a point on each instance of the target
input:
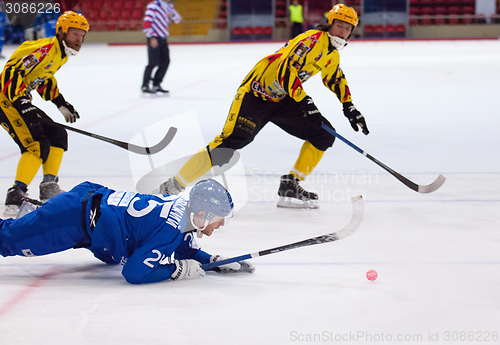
(417, 188)
(127, 146)
(357, 217)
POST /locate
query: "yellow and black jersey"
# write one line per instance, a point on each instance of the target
(283, 73)
(32, 67)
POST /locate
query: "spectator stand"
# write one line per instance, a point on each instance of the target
(385, 19)
(251, 20)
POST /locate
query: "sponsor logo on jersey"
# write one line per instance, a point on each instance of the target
(301, 49)
(328, 63)
(318, 57)
(32, 86)
(29, 61)
(5, 104)
(317, 66)
(296, 65)
(49, 65)
(18, 123)
(304, 75)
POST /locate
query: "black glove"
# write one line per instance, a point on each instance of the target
(308, 106)
(69, 113)
(355, 117)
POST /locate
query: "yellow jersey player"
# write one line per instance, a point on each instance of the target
(32, 68)
(273, 92)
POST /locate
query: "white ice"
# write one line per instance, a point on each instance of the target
(431, 107)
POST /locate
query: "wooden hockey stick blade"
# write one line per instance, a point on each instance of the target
(158, 147)
(433, 186)
(127, 146)
(356, 219)
(410, 184)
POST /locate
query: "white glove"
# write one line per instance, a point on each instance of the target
(68, 111)
(234, 267)
(187, 269)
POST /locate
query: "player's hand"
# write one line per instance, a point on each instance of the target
(309, 107)
(68, 111)
(187, 269)
(234, 267)
(355, 117)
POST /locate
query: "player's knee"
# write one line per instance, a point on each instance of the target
(59, 138)
(38, 148)
(322, 140)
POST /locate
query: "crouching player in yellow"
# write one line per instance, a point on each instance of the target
(32, 68)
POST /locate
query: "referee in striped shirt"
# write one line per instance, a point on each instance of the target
(159, 14)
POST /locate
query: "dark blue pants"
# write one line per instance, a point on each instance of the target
(54, 227)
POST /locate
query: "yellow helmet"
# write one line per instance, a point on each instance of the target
(344, 13)
(70, 19)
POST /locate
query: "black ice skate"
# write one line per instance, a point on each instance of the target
(292, 195)
(49, 189)
(171, 187)
(147, 89)
(14, 200)
(159, 89)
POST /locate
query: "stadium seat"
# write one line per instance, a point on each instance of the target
(425, 21)
(400, 30)
(268, 30)
(248, 30)
(222, 24)
(137, 15)
(258, 30)
(453, 19)
(390, 30)
(415, 11)
(480, 19)
(468, 10)
(427, 11)
(237, 31)
(113, 20)
(369, 30)
(379, 30)
(413, 22)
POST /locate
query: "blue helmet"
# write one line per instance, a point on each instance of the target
(212, 198)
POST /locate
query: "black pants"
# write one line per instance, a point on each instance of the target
(249, 114)
(297, 29)
(157, 57)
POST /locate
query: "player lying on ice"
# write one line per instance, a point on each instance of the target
(273, 92)
(152, 236)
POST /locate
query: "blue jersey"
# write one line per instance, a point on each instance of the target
(145, 233)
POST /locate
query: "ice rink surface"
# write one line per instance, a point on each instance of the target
(431, 107)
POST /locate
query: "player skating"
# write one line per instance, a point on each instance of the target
(32, 68)
(273, 92)
(152, 236)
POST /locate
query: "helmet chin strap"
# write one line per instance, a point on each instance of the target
(199, 230)
(337, 42)
(69, 51)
